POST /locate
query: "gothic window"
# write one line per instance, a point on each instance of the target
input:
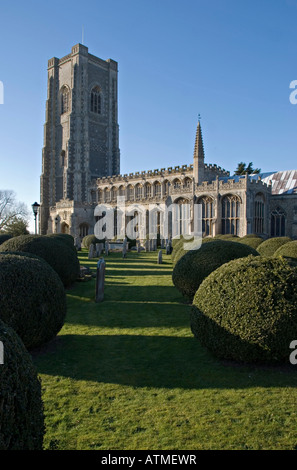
(96, 100)
(107, 195)
(259, 214)
(148, 190)
(83, 230)
(138, 190)
(187, 183)
(113, 193)
(207, 215)
(166, 188)
(230, 214)
(176, 184)
(130, 193)
(121, 191)
(278, 223)
(64, 100)
(157, 189)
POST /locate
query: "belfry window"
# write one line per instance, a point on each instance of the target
(96, 100)
(278, 223)
(64, 100)
(230, 214)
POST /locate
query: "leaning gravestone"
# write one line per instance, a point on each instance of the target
(160, 257)
(91, 251)
(100, 277)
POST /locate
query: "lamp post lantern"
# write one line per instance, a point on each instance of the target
(35, 208)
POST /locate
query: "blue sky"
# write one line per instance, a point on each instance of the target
(232, 61)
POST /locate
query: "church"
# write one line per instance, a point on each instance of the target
(81, 167)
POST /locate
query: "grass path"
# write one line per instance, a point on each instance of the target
(128, 374)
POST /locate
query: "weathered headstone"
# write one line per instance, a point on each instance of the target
(162, 243)
(124, 251)
(138, 246)
(160, 257)
(100, 277)
(106, 248)
(98, 250)
(77, 243)
(91, 251)
(168, 248)
(147, 245)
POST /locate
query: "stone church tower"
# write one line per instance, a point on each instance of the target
(81, 139)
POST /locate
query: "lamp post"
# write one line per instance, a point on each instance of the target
(35, 208)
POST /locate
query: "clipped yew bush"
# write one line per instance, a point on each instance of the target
(288, 250)
(4, 237)
(253, 242)
(270, 246)
(226, 236)
(65, 238)
(88, 240)
(193, 267)
(32, 298)
(247, 310)
(21, 410)
(58, 254)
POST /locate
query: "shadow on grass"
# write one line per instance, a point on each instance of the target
(152, 361)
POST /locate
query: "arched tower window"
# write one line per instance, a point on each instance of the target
(207, 215)
(138, 190)
(157, 187)
(278, 223)
(230, 214)
(96, 100)
(259, 214)
(83, 230)
(64, 100)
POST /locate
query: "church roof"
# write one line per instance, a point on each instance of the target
(283, 182)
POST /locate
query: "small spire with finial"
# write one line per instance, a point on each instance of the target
(199, 117)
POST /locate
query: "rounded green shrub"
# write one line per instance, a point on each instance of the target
(64, 237)
(193, 267)
(21, 410)
(226, 236)
(246, 310)
(4, 237)
(289, 250)
(253, 242)
(58, 254)
(269, 247)
(88, 240)
(32, 298)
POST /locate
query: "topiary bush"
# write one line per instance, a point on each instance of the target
(269, 247)
(21, 410)
(88, 240)
(226, 236)
(4, 237)
(59, 256)
(289, 250)
(246, 310)
(193, 267)
(253, 242)
(32, 298)
(65, 238)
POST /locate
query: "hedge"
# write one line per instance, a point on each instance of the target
(21, 410)
(59, 256)
(247, 310)
(192, 268)
(253, 242)
(289, 250)
(269, 247)
(32, 298)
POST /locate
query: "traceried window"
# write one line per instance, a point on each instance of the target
(64, 100)
(130, 192)
(83, 230)
(230, 214)
(259, 214)
(207, 215)
(157, 187)
(187, 183)
(166, 188)
(122, 191)
(138, 191)
(176, 184)
(96, 100)
(148, 190)
(278, 223)
(113, 193)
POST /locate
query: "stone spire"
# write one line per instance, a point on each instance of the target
(199, 156)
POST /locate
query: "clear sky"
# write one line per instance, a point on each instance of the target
(232, 61)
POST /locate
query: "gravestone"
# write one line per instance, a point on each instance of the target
(160, 257)
(106, 248)
(100, 277)
(147, 245)
(91, 251)
(77, 243)
(98, 249)
(138, 246)
(168, 248)
(124, 251)
(162, 243)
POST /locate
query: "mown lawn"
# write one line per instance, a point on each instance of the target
(128, 374)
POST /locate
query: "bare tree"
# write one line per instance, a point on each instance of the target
(11, 210)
